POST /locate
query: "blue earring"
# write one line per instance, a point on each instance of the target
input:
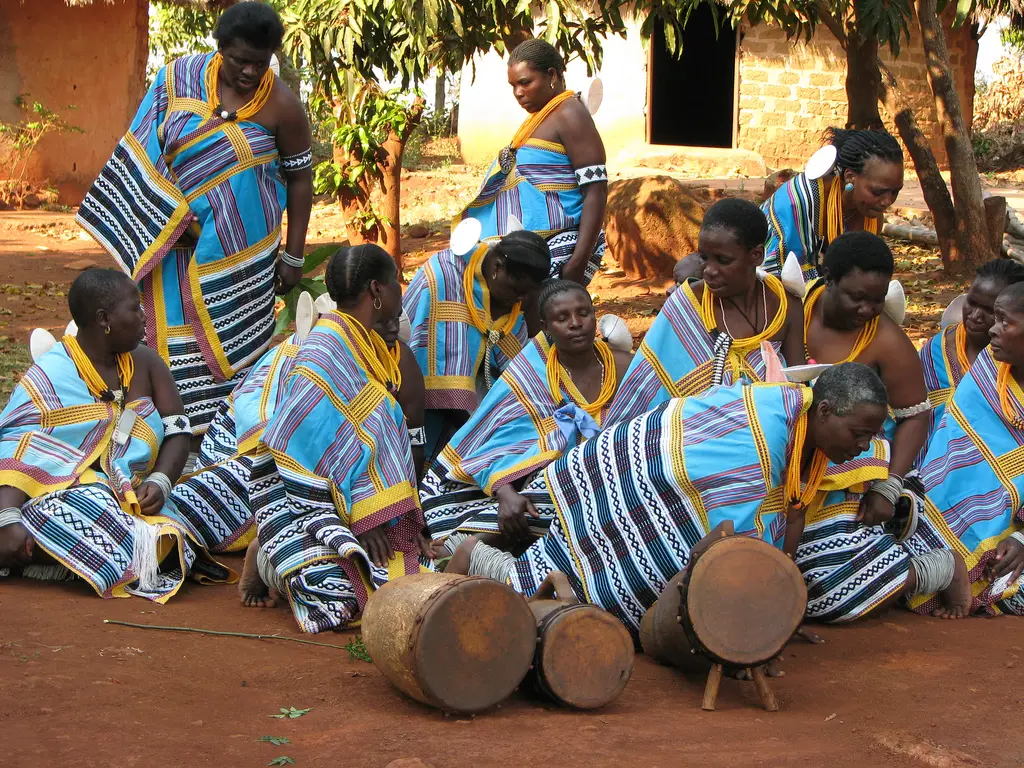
(848, 188)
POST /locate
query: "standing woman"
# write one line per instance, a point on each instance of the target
(806, 215)
(190, 206)
(334, 487)
(552, 175)
(467, 323)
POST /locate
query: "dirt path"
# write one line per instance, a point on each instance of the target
(899, 690)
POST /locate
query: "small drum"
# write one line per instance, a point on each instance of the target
(458, 643)
(662, 636)
(742, 602)
(584, 655)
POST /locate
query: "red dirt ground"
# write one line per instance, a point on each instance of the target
(898, 690)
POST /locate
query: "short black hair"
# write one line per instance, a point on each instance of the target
(741, 217)
(1015, 295)
(539, 54)
(1005, 271)
(94, 289)
(855, 147)
(526, 255)
(351, 269)
(848, 385)
(556, 287)
(252, 22)
(857, 250)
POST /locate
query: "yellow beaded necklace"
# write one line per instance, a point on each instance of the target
(961, 349)
(1004, 381)
(374, 354)
(834, 213)
(507, 156)
(560, 381)
(864, 337)
(482, 320)
(795, 497)
(97, 386)
(255, 104)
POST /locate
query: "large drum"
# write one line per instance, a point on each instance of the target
(584, 655)
(459, 643)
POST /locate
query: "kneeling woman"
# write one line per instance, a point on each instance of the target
(90, 443)
(554, 395)
(333, 486)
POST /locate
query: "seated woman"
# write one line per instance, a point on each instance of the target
(947, 356)
(90, 442)
(552, 176)
(553, 395)
(710, 332)
(410, 389)
(625, 527)
(467, 324)
(974, 515)
(333, 486)
(844, 321)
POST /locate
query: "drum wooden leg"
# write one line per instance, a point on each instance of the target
(711, 688)
(767, 697)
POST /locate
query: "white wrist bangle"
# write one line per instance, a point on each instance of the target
(161, 481)
(10, 516)
(292, 261)
(890, 489)
(1018, 535)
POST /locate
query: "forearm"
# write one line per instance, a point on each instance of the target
(794, 531)
(12, 497)
(907, 443)
(172, 457)
(591, 220)
(300, 201)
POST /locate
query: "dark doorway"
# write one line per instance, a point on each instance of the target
(692, 98)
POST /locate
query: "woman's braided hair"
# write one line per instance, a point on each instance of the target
(855, 147)
(351, 269)
(539, 54)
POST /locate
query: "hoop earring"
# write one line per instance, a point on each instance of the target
(106, 330)
(376, 303)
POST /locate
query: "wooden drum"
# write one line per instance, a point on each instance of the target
(459, 643)
(584, 655)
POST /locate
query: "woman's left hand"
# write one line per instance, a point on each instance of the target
(875, 509)
(286, 278)
(151, 498)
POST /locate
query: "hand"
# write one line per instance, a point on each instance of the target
(151, 498)
(426, 546)
(687, 267)
(16, 546)
(513, 509)
(375, 542)
(875, 509)
(1009, 558)
(286, 278)
(575, 269)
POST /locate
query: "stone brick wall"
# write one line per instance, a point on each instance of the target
(790, 92)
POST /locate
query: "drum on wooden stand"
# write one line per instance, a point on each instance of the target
(584, 655)
(738, 603)
(458, 643)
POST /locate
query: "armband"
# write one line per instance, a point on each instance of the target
(10, 516)
(417, 436)
(591, 174)
(176, 424)
(905, 413)
(299, 162)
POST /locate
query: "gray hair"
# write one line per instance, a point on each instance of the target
(849, 385)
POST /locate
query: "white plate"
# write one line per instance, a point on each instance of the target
(805, 373)
(465, 236)
(305, 316)
(821, 162)
(513, 224)
(955, 311)
(594, 96)
(40, 341)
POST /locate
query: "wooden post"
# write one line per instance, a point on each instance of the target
(767, 697)
(711, 688)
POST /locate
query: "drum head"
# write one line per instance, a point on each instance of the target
(475, 645)
(586, 657)
(745, 601)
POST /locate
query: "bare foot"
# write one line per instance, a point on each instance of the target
(810, 637)
(253, 592)
(772, 669)
(956, 598)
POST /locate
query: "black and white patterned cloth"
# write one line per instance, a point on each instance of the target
(562, 246)
(591, 174)
(299, 162)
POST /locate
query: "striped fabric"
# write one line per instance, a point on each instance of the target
(215, 498)
(512, 436)
(942, 374)
(796, 223)
(677, 359)
(849, 568)
(57, 445)
(542, 193)
(973, 476)
(209, 306)
(632, 502)
(333, 463)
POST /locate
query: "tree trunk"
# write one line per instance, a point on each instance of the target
(389, 237)
(440, 91)
(863, 80)
(971, 242)
(353, 202)
(933, 186)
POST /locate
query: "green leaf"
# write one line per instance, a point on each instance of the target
(283, 760)
(357, 650)
(317, 257)
(277, 741)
